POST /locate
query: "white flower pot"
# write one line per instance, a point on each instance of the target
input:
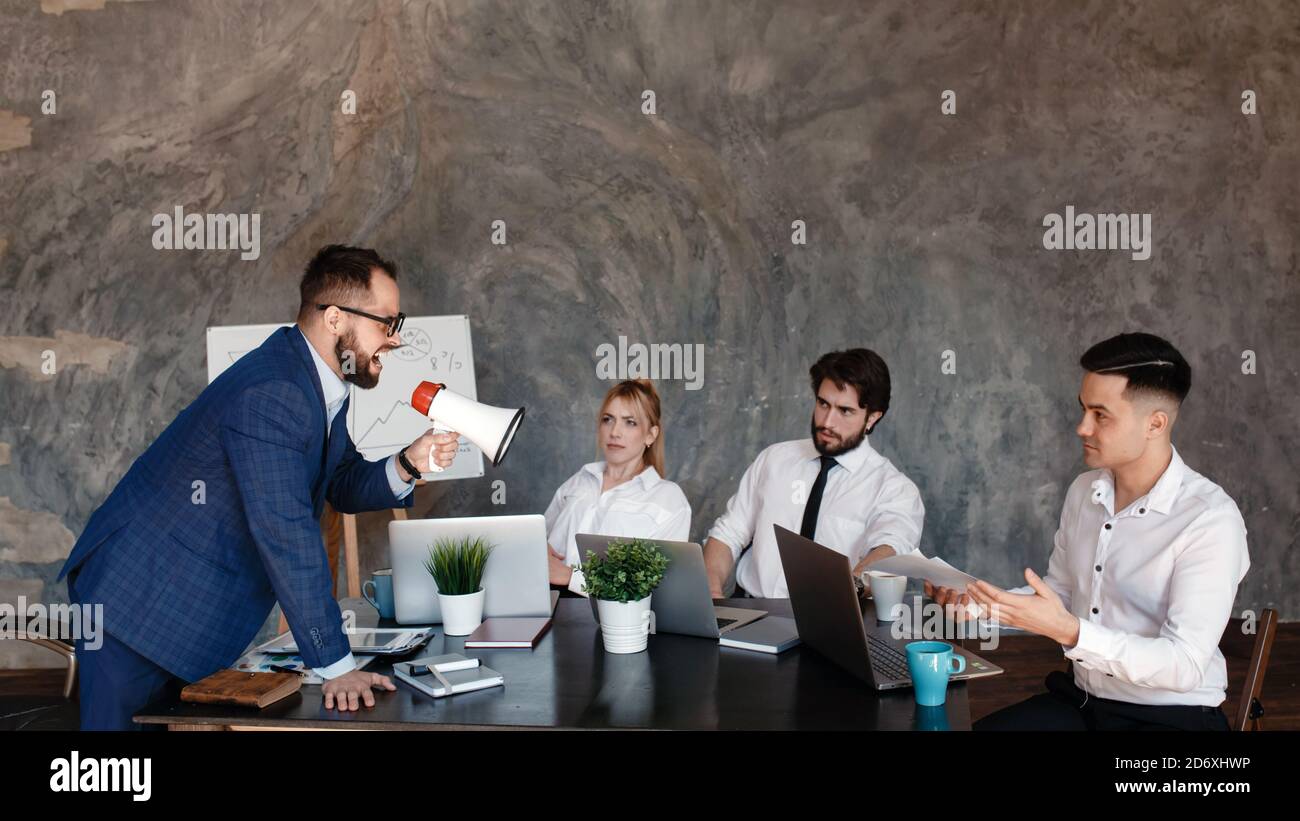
(461, 615)
(625, 627)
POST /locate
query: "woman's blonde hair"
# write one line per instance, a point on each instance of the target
(642, 394)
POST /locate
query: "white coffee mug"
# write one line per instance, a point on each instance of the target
(887, 592)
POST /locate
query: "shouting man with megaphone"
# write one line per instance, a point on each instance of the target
(219, 518)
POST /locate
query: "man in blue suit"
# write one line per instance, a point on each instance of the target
(219, 518)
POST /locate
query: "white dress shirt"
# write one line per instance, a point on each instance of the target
(644, 507)
(336, 390)
(866, 502)
(1152, 586)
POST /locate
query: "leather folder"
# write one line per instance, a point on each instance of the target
(242, 688)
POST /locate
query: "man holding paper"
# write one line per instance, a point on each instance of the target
(1144, 568)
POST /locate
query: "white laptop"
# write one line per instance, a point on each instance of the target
(516, 580)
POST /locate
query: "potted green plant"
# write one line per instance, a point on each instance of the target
(456, 566)
(622, 582)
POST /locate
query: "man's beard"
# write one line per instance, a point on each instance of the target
(361, 375)
(831, 450)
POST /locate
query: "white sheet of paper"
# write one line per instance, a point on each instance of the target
(936, 570)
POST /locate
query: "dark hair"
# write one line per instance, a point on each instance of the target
(1152, 365)
(861, 368)
(339, 275)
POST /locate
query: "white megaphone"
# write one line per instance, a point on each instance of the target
(488, 427)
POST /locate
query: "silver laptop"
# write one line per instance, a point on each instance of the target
(515, 580)
(826, 612)
(681, 602)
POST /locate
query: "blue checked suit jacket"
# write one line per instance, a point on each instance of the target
(187, 579)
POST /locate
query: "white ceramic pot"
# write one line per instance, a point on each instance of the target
(461, 615)
(625, 627)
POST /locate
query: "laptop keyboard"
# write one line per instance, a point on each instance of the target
(724, 622)
(887, 659)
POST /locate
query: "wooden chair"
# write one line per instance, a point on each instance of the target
(44, 711)
(63, 648)
(1255, 649)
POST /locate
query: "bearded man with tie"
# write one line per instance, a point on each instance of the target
(833, 487)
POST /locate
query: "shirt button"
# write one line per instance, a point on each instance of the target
(1098, 568)
(1108, 525)
(1094, 611)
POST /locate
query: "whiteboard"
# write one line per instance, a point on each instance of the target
(381, 420)
(226, 344)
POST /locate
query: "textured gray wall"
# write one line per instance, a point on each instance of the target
(924, 230)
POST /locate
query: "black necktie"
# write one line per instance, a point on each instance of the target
(809, 527)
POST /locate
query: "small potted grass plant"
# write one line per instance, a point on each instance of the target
(622, 582)
(456, 566)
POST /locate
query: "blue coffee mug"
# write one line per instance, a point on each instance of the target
(382, 598)
(930, 663)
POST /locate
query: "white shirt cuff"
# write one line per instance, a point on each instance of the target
(1091, 648)
(341, 667)
(400, 488)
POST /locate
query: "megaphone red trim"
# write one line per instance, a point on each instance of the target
(422, 396)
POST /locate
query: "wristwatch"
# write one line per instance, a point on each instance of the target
(406, 463)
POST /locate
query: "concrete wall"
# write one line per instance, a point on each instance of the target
(924, 230)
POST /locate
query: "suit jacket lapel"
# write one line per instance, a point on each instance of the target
(299, 344)
(338, 437)
(331, 455)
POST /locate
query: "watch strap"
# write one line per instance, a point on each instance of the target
(406, 463)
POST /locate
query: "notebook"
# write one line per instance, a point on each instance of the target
(511, 632)
(447, 675)
(774, 634)
(242, 689)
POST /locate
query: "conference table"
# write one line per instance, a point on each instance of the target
(568, 681)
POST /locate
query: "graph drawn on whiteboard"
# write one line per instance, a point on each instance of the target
(381, 420)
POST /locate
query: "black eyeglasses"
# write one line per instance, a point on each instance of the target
(393, 323)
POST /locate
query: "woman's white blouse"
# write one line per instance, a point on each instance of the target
(646, 507)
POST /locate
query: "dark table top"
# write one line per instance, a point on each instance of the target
(569, 681)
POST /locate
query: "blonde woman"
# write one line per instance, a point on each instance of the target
(625, 494)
